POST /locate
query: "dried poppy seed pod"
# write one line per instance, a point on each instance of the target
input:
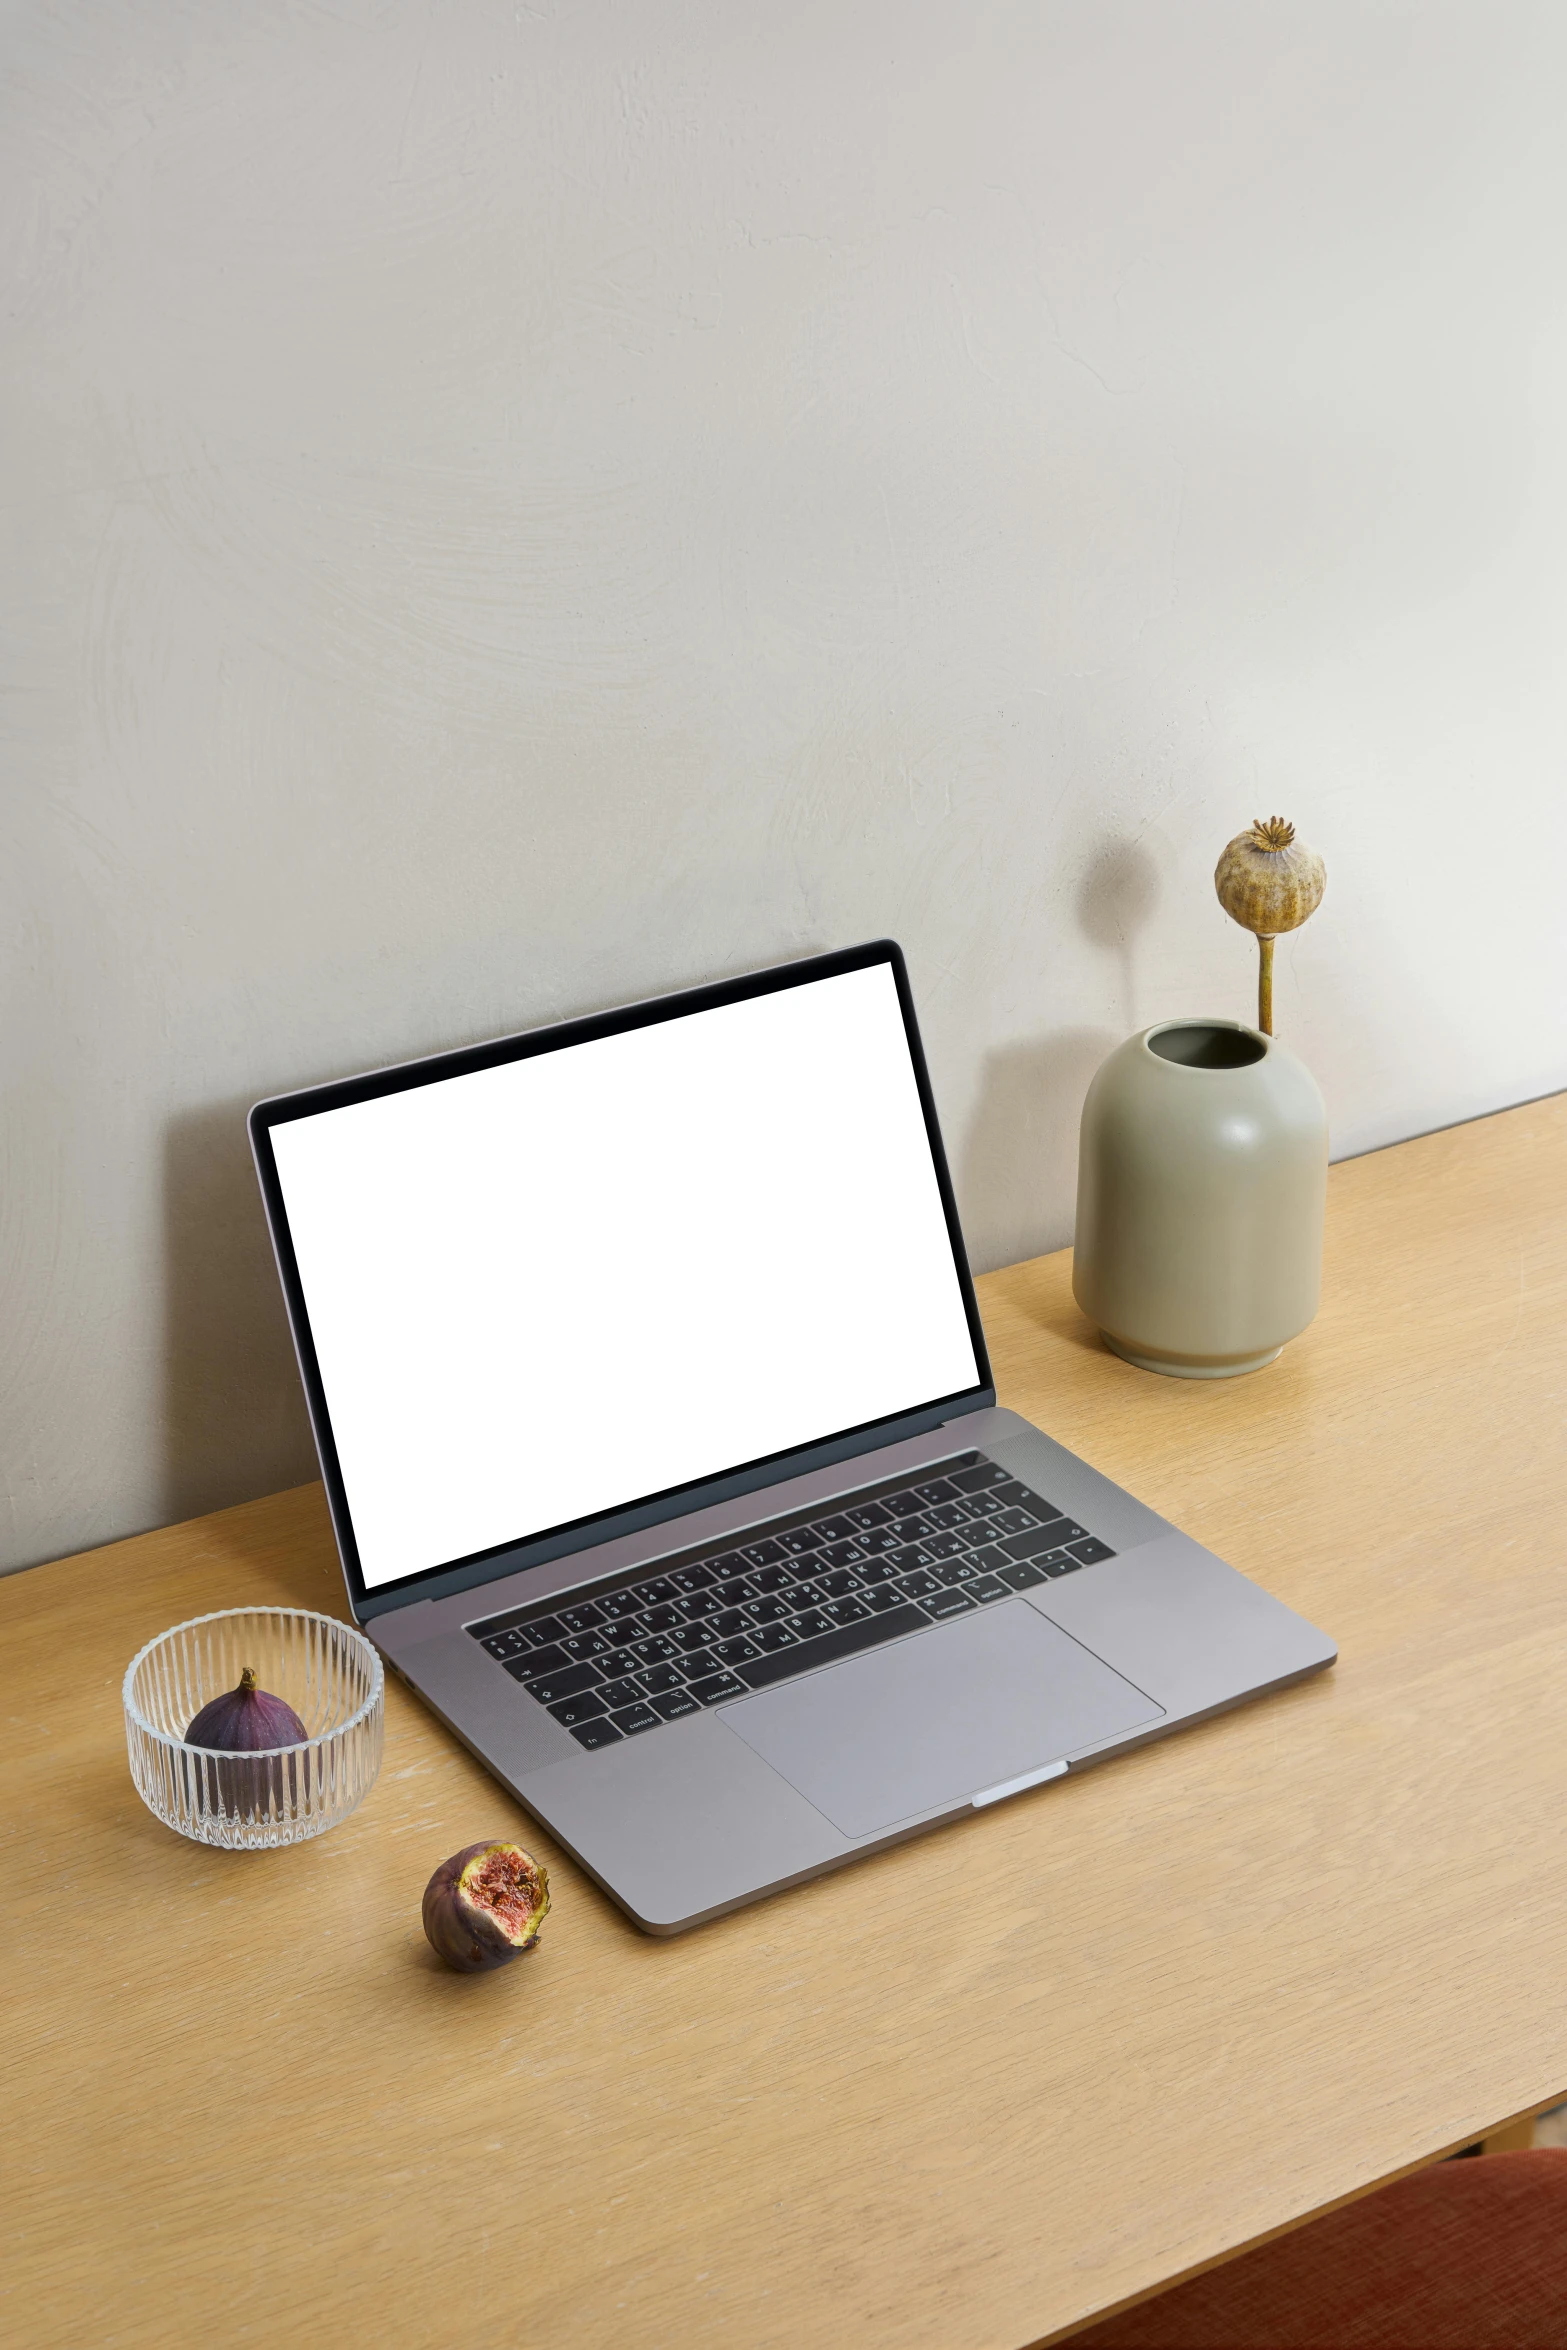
(1268, 881)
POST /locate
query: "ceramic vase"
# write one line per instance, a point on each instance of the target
(1201, 1182)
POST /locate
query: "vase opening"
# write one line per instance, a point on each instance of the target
(1205, 1044)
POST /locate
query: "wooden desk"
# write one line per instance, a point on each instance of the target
(965, 2095)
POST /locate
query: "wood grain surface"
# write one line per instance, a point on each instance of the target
(968, 2094)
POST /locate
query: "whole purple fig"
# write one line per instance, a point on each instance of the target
(484, 1906)
(247, 1721)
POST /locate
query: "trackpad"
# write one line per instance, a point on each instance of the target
(931, 1720)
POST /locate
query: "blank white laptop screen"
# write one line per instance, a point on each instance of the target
(565, 1284)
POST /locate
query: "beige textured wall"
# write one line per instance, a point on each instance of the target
(509, 507)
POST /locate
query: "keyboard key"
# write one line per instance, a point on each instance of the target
(585, 1708)
(846, 1611)
(659, 1592)
(719, 1685)
(1013, 1521)
(570, 1681)
(839, 1554)
(837, 1583)
(738, 1589)
(1032, 1545)
(911, 1556)
(919, 1585)
(769, 1611)
(982, 1505)
(879, 1541)
(659, 1680)
(902, 1505)
(839, 1529)
(938, 1489)
(1059, 1562)
(996, 1557)
(701, 1577)
(545, 1660)
(543, 1629)
(580, 1644)
(1089, 1553)
(688, 1637)
(985, 1588)
(665, 1618)
(625, 1690)
(677, 1703)
(944, 1546)
(699, 1664)
(727, 1626)
(799, 1539)
(983, 1473)
(775, 1636)
(501, 1645)
(581, 1618)
(655, 1650)
(699, 1604)
(1022, 1577)
(948, 1603)
(845, 1640)
(600, 1733)
(492, 1627)
(885, 1596)
(1046, 1538)
(632, 1718)
(623, 1634)
(811, 1624)
(774, 1578)
(736, 1652)
(730, 1563)
(763, 1554)
(868, 1514)
(616, 1604)
(947, 1514)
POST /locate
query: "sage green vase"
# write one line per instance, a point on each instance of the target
(1201, 1181)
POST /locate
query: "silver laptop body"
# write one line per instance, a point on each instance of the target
(663, 1456)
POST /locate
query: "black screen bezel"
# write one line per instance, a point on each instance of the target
(604, 1525)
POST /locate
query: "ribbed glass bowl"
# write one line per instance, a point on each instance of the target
(326, 1670)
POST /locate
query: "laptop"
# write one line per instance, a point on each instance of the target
(663, 1453)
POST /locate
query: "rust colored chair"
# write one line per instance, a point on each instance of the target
(1463, 2256)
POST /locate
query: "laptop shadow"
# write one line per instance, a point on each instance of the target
(234, 1424)
(1017, 1179)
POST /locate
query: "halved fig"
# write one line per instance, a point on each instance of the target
(484, 1906)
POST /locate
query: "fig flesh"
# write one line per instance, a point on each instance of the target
(484, 1906)
(247, 1721)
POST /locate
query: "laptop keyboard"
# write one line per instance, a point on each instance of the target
(803, 1592)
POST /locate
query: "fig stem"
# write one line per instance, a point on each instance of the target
(1265, 985)
(247, 1679)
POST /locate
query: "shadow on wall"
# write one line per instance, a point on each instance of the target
(1117, 897)
(234, 1421)
(1019, 1165)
